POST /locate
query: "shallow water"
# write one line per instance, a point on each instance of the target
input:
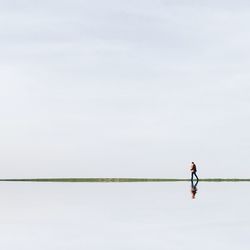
(124, 216)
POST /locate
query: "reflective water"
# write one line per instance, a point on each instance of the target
(124, 216)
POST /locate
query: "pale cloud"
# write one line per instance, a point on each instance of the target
(124, 88)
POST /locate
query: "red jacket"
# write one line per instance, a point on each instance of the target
(193, 168)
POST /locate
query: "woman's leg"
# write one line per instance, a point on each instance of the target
(196, 176)
(192, 176)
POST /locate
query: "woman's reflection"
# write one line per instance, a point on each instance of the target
(194, 188)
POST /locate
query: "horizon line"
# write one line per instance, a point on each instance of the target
(123, 180)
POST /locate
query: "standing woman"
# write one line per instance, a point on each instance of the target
(193, 172)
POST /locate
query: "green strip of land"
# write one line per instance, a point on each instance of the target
(123, 180)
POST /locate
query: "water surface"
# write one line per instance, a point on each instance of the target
(115, 216)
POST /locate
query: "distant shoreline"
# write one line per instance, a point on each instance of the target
(122, 180)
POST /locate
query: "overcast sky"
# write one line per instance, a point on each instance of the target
(124, 88)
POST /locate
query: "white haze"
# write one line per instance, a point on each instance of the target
(124, 88)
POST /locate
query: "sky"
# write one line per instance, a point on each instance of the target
(124, 88)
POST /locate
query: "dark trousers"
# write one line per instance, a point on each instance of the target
(194, 174)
